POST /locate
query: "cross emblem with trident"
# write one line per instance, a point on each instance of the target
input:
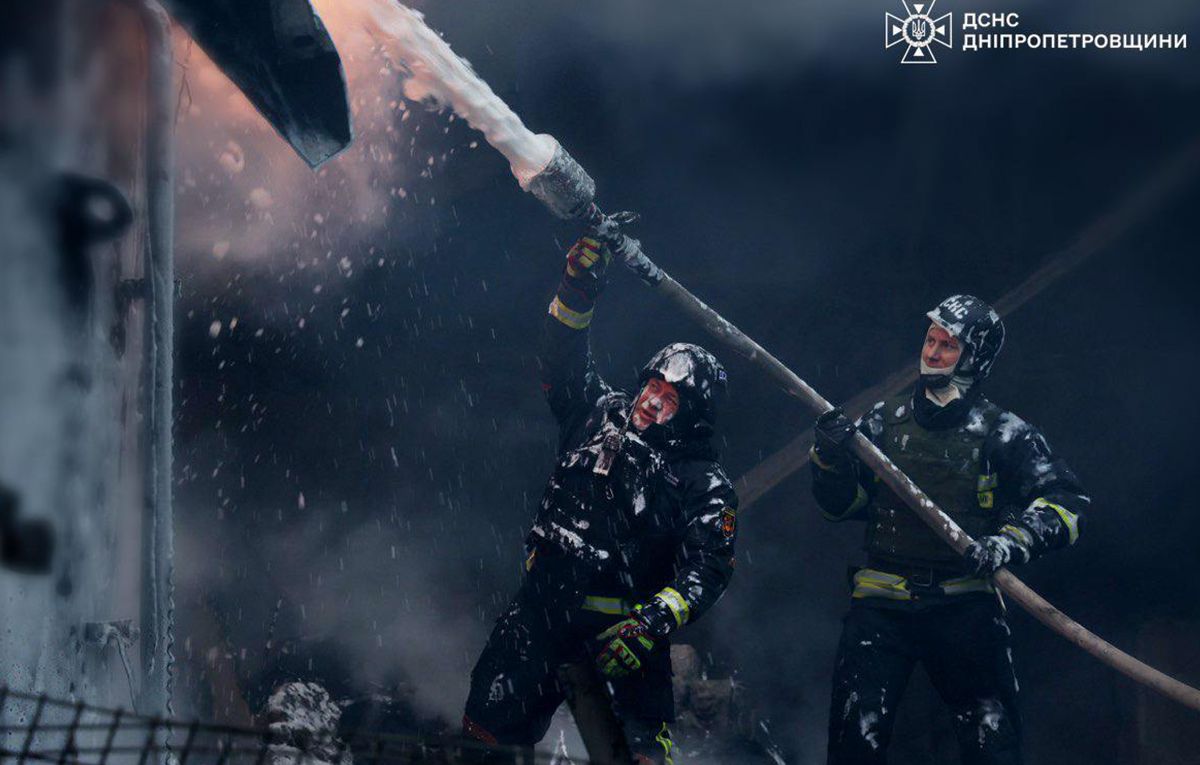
(919, 30)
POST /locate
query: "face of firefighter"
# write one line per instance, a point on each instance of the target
(656, 404)
(941, 349)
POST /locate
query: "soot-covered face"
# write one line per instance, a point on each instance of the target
(656, 404)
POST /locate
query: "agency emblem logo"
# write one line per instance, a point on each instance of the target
(728, 522)
(919, 30)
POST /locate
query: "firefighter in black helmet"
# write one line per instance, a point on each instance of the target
(633, 539)
(916, 599)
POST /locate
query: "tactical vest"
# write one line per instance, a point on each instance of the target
(948, 465)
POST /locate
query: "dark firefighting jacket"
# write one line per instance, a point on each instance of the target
(985, 467)
(663, 519)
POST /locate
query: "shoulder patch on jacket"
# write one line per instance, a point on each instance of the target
(728, 522)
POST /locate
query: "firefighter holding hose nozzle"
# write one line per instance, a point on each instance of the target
(916, 599)
(633, 540)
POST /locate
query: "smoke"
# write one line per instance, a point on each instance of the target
(367, 594)
(388, 605)
(245, 197)
(265, 242)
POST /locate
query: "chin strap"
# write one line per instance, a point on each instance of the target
(944, 395)
(936, 373)
(942, 385)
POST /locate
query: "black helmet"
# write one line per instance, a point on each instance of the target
(978, 327)
(700, 380)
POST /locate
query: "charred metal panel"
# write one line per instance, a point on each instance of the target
(280, 55)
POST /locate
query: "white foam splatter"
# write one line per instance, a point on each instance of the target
(1009, 426)
(441, 76)
(866, 728)
(679, 368)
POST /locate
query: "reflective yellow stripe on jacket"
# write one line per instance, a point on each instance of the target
(967, 584)
(676, 604)
(614, 606)
(571, 318)
(871, 583)
(1069, 519)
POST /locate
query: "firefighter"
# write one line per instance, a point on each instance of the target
(634, 537)
(916, 599)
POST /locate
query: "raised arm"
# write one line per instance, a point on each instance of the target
(569, 378)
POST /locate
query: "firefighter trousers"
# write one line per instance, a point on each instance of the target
(964, 647)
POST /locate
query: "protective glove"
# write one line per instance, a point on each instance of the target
(587, 265)
(988, 554)
(831, 434)
(624, 646)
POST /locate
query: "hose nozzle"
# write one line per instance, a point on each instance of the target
(563, 186)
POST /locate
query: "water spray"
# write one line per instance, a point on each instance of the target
(545, 169)
(434, 73)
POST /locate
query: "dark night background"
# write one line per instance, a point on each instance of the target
(797, 178)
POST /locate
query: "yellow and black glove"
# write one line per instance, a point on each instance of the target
(587, 266)
(582, 282)
(624, 647)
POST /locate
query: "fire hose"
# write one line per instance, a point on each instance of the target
(563, 175)
(543, 168)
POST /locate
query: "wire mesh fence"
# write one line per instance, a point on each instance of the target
(35, 728)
